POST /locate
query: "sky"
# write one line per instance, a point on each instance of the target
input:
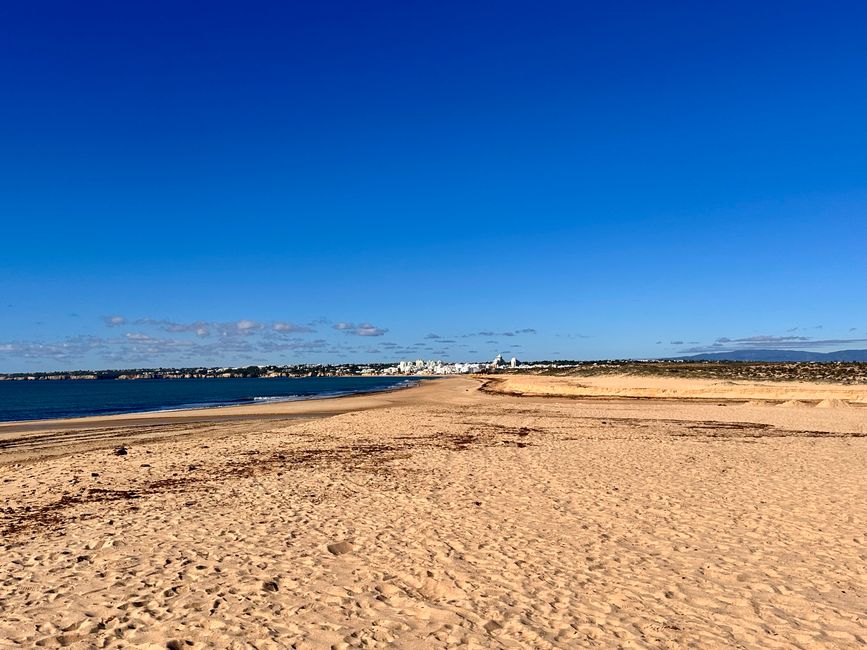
(214, 183)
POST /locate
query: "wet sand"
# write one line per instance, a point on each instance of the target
(444, 516)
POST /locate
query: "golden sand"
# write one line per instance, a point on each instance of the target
(637, 386)
(443, 516)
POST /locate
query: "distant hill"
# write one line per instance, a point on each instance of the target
(778, 355)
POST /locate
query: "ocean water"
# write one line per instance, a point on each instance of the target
(35, 400)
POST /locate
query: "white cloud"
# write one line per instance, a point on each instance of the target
(245, 325)
(727, 344)
(363, 329)
(200, 328)
(526, 330)
(194, 342)
(282, 326)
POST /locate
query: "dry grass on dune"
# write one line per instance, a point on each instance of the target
(679, 388)
(852, 373)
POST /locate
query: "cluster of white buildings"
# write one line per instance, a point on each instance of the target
(432, 367)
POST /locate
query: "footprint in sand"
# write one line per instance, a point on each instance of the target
(340, 548)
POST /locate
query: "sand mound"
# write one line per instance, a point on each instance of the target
(792, 403)
(832, 404)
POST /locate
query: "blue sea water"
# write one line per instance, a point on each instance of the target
(35, 400)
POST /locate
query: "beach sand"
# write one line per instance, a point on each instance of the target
(533, 513)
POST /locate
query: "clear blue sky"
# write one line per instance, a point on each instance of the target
(223, 183)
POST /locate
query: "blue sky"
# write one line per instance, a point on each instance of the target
(188, 183)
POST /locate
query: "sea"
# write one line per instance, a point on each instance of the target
(67, 398)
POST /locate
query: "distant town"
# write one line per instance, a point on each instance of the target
(827, 371)
(418, 367)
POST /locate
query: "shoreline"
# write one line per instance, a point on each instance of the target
(529, 389)
(194, 412)
(40, 439)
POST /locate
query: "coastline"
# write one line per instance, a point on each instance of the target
(652, 398)
(32, 439)
(199, 413)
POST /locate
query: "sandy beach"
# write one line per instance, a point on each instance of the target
(523, 512)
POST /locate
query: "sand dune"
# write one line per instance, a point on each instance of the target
(657, 387)
(449, 518)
